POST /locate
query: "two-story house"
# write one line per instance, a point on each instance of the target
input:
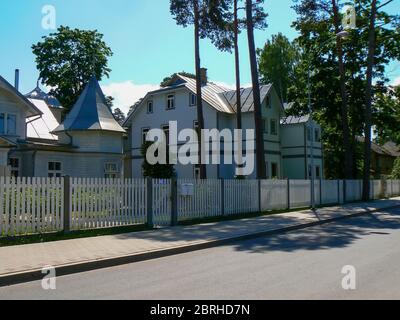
(88, 143)
(177, 102)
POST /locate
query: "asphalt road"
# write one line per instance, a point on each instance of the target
(304, 264)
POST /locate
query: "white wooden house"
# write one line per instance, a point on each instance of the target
(178, 102)
(88, 143)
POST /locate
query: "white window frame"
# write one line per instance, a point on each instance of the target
(276, 127)
(145, 131)
(54, 173)
(192, 99)
(5, 123)
(13, 168)
(171, 100)
(150, 110)
(111, 173)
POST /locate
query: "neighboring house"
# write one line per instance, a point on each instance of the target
(88, 143)
(297, 139)
(178, 102)
(382, 158)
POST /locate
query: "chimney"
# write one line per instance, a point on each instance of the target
(203, 76)
(16, 84)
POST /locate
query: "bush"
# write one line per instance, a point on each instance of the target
(396, 169)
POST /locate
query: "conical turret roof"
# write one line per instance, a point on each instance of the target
(90, 112)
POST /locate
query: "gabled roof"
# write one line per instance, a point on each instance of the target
(220, 98)
(42, 127)
(7, 142)
(247, 98)
(32, 110)
(90, 112)
(39, 94)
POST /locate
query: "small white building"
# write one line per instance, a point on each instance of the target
(88, 143)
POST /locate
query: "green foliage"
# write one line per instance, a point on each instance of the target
(119, 115)
(317, 43)
(157, 171)
(68, 59)
(396, 169)
(277, 63)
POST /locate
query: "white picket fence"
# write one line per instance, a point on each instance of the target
(105, 203)
(30, 205)
(205, 200)
(36, 205)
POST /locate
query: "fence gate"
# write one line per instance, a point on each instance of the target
(161, 202)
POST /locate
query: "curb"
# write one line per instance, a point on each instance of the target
(68, 269)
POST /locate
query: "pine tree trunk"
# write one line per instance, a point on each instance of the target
(368, 103)
(200, 117)
(260, 156)
(348, 156)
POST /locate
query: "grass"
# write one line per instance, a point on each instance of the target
(58, 236)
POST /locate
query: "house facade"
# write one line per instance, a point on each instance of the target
(88, 143)
(177, 102)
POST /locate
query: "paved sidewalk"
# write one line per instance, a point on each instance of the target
(24, 263)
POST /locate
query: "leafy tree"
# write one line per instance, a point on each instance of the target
(157, 171)
(277, 63)
(206, 16)
(168, 80)
(68, 59)
(396, 169)
(119, 115)
(316, 26)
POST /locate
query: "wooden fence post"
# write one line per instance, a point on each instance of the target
(67, 204)
(149, 194)
(222, 197)
(174, 202)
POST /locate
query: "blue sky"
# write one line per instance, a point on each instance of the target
(147, 43)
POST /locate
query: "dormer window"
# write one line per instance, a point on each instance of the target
(150, 106)
(170, 101)
(192, 100)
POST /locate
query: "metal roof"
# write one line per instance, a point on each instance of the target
(90, 112)
(295, 119)
(39, 94)
(247, 98)
(42, 127)
(32, 110)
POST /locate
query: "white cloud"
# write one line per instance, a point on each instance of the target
(396, 82)
(126, 93)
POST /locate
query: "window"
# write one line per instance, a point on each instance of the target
(318, 172)
(309, 172)
(150, 106)
(317, 135)
(192, 100)
(197, 172)
(11, 124)
(274, 170)
(274, 127)
(111, 170)
(14, 164)
(166, 132)
(8, 124)
(145, 131)
(2, 124)
(170, 102)
(54, 169)
(309, 134)
(266, 126)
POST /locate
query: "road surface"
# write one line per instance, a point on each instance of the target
(304, 264)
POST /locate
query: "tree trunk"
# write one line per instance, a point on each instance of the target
(200, 117)
(238, 86)
(348, 156)
(260, 156)
(368, 103)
